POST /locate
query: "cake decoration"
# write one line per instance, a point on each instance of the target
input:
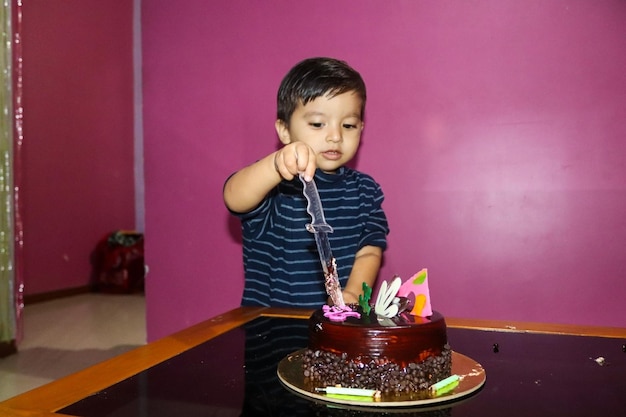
(385, 306)
(337, 313)
(444, 386)
(364, 300)
(350, 392)
(393, 298)
(418, 286)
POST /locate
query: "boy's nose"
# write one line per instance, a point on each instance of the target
(334, 135)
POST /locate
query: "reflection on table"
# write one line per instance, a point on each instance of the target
(235, 375)
(226, 366)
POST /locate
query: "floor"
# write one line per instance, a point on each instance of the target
(66, 335)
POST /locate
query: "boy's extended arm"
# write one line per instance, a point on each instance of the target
(246, 188)
(365, 269)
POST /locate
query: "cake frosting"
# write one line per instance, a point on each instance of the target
(389, 348)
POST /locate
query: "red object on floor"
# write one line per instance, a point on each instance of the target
(118, 263)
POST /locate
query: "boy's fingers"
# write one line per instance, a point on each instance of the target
(309, 171)
(306, 162)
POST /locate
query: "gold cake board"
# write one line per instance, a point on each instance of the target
(471, 374)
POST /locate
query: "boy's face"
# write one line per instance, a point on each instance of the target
(330, 126)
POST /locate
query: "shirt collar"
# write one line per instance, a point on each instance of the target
(330, 178)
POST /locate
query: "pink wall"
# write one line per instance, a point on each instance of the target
(496, 129)
(77, 154)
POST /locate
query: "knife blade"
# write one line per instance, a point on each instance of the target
(321, 229)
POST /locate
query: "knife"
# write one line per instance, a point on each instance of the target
(321, 229)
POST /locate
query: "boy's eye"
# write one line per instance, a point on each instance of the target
(317, 125)
(349, 126)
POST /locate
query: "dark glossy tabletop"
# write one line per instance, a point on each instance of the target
(234, 374)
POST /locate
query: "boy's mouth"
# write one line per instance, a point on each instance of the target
(332, 155)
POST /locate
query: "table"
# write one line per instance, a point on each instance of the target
(226, 366)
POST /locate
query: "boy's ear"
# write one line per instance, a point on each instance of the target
(283, 132)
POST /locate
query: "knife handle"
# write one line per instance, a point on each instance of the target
(314, 207)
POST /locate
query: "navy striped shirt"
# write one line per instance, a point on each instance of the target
(281, 261)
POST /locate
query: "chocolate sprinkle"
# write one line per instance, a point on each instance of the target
(323, 368)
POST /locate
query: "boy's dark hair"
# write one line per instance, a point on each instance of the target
(316, 77)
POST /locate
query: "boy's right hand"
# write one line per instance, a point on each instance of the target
(295, 158)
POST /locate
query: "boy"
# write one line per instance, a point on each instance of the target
(320, 119)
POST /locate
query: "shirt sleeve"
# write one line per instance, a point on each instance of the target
(376, 227)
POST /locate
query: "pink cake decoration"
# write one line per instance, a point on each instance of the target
(339, 313)
(417, 285)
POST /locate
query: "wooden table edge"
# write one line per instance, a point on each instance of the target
(65, 391)
(532, 327)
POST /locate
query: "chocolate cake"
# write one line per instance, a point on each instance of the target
(400, 355)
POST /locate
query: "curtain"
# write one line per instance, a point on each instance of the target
(10, 289)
